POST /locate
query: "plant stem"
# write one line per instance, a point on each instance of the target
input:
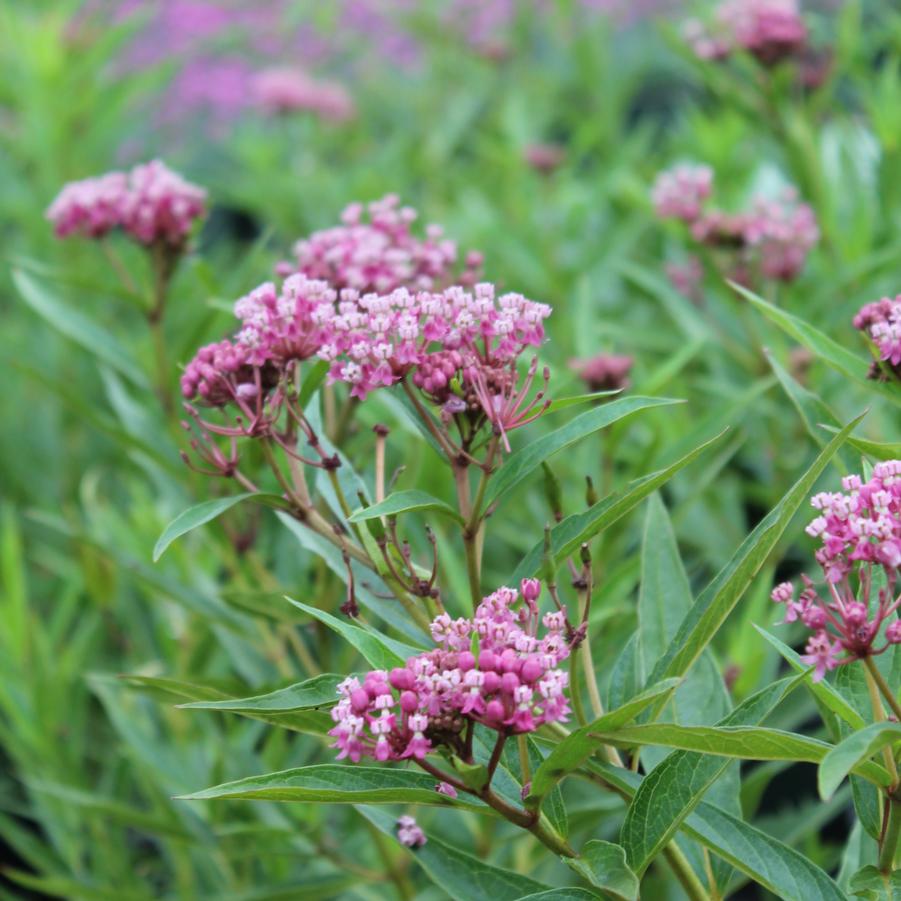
(524, 764)
(687, 877)
(871, 672)
(575, 668)
(470, 535)
(888, 848)
(883, 686)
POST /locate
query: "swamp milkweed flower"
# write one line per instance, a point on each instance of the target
(860, 531)
(282, 90)
(493, 669)
(880, 321)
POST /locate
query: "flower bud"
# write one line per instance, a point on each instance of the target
(409, 701)
(401, 678)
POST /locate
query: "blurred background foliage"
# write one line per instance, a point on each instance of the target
(449, 99)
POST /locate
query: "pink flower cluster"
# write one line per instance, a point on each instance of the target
(605, 372)
(859, 528)
(513, 684)
(772, 238)
(282, 90)
(374, 249)
(151, 203)
(770, 30)
(881, 322)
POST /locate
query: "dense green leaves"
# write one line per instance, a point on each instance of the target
(578, 746)
(604, 865)
(571, 532)
(871, 885)
(718, 599)
(529, 458)
(849, 754)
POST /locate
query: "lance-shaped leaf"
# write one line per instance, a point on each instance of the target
(332, 783)
(771, 863)
(203, 513)
(823, 691)
(744, 742)
(78, 327)
(604, 865)
(849, 755)
(577, 747)
(320, 691)
(677, 784)
(716, 602)
(457, 874)
(569, 534)
(530, 457)
(405, 502)
(381, 651)
(871, 885)
(563, 403)
(562, 894)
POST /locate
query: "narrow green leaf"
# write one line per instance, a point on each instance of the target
(716, 602)
(563, 403)
(604, 865)
(313, 377)
(745, 742)
(787, 873)
(530, 457)
(320, 691)
(332, 783)
(405, 502)
(562, 894)
(571, 532)
(77, 327)
(676, 785)
(381, 651)
(203, 513)
(823, 690)
(459, 875)
(878, 449)
(578, 746)
(852, 753)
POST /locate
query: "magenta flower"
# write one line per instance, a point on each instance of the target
(151, 203)
(513, 684)
(375, 250)
(880, 321)
(680, 193)
(605, 372)
(860, 531)
(283, 90)
(782, 232)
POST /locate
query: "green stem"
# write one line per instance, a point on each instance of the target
(524, 763)
(575, 672)
(871, 672)
(883, 686)
(470, 535)
(687, 877)
(888, 847)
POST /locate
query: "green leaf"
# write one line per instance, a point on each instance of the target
(459, 875)
(569, 534)
(578, 746)
(405, 502)
(332, 783)
(850, 753)
(561, 894)
(879, 450)
(320, 691)
(78, 327)
(563, 403)
(379, 650)
(868, 883)
(823, 690)
(745, 742)
(202, 513)
(530, 457)
(680, 309)
(676, 785)
(788, 874)
(716, 602)
(313, 377)
(821, 345)
(604, 864)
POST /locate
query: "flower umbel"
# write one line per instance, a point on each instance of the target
(860, 530)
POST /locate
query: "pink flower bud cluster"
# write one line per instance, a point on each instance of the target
(377, 339)
(151, 203)
(283, 90)
(772, 238)
(492, 669)
(605, 372)
(375, 250)
(859, 528)
(410, 833)
(881, 322)
(770, 30)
